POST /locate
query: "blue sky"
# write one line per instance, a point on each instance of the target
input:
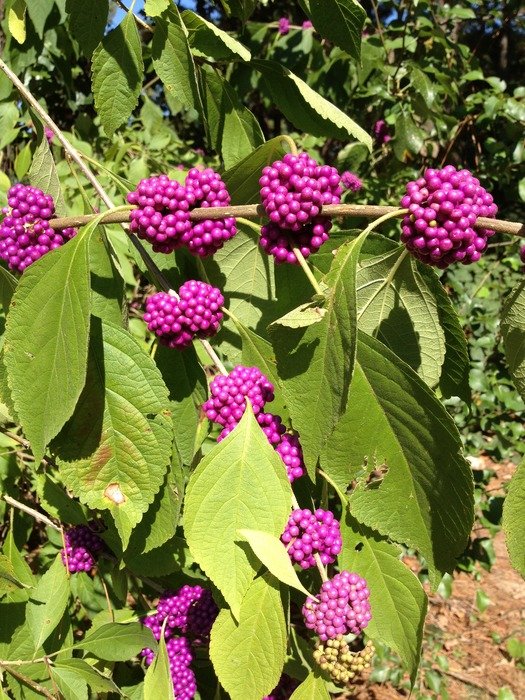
(139, 4)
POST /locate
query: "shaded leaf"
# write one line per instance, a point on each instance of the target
(8, 284)
(87, 21)
(513, 521)
(211, 41)
(48, 602)
(513, 331)
(340, 21)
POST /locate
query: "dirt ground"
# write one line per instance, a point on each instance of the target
(478, 665)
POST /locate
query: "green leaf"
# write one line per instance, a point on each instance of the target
(87, 21)
(107, 286)
(8, 284)
(117, 72)
(154, 8)
(272, 553)
(242, 180)
(157, 682)
(395, 422)
(316, 363)
(340, 21)
(513, 522)
(39, 12)
(8, 578)
(210, 41)
(408, 138)
(248, 655)
(23, 161)
(43, 174)
(239, 8)
(48, 602)
(423, 85)
(241, 483)
(114, 451)
(21, 570)
(117, 642)
(46, 340)
(71, 685)
(397, 599)
(234, 131)
(173, 61)
(513, 332)
(57, 502)
(397, 307)
(313, 688)
(304, 107)
(96, 681)
(301, 317)
(16, 20)
(188, 389)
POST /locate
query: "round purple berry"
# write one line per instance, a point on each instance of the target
(82, 546)
(205, 188)
(25, 233)
(443, 207)
(280, 242)
(162, 213)
(227, 402)
(283, 26)
(195, 312)
(351, 181)
(308, 533)
(294, 189)
(343, 607)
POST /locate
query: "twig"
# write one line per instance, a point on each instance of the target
(31, 511)
(213, 356)
(139, 21)
(306, 269)
(253, 211)
(27, 681)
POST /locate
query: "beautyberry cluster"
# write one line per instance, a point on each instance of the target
(205, 188)
(343, 607)
(308, 533)
(82, 546)
(293, 191)
(283, 689)
(351, 181)
(381, 132)
(190, 613)
(194, 313)
(342, 664)
(25, 233)
(443, 208)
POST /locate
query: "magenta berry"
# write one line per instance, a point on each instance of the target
(283, 26)
(443, 208)
(351, 181)
(82, 546)
(280, 242)
(25, 233)
(49, 135)
(291, 452)
(205, 188)
(180, 658)
(227, 402)
(381, 132)
(522, 254)
(294, 189)
(343, 607)
(307, 24)
(162, 213)
(177, 320)
(309, 533)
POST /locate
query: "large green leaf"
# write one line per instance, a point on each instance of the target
(107, 286)
(513, 520)
(340, 21)
(157, 682)
(39, 12)
(87, 21)
(248, 655)
(117, 642)
(304, 107)
(114, 451)
(513, 331)
(234, 131)
(397, 307)
(8, 284)
(43, 174)
(397, 598)
(315, 363)
(46, 340)
(173, 61)
(117, 72)
(48, 602)
(210, 41)
(313, 688)
(241, 483)
(82, 670)
(394, 421)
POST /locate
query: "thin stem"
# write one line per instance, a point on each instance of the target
(306, 269)
(320, 567)
(27, 681)
(108, 601)
(213, 356)
(31, 511)
(137, 19)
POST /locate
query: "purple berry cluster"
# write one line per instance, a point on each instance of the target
(25, 233)
(205, 188)
(283, 26)
(343, 607)
(381, 132)
(443, 208)
(308, 533)
(351, 181)
(284, 689)
(162, 216)
(190, 613)
(293, 191)
(82, 546)
(195, 312)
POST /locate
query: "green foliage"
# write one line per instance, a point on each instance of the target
(513, 520)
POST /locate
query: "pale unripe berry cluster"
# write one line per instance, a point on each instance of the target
(343, 607)
(25, 233)
(308, 533)
(82, 547)
(443, 208)
(195, 312)
(342, 664)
